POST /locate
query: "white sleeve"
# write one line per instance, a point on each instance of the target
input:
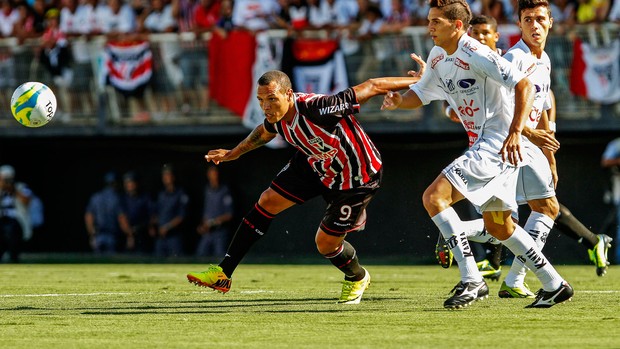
(427, 88)
(497, 68)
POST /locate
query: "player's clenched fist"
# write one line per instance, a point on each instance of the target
(391, 101)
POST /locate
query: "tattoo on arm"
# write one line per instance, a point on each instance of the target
(257, 138)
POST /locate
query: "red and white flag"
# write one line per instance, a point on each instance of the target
(595, 72)
(127, 65)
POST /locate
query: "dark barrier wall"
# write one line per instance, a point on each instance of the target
(65, 172)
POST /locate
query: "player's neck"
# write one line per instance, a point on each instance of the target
(451, 46)
(536, 51)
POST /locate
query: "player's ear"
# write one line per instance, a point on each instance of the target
(458, 24)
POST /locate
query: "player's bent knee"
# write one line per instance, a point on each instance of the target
(273, 202)
(327, 244)
(434, 202)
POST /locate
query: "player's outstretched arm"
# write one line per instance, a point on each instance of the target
(394, 100)
(257, 138)
(380, 86)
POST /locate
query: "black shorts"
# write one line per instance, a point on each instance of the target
(345, 210)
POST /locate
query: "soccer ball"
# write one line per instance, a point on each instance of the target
(33, 104)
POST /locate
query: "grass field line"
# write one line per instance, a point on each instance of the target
(94, 294)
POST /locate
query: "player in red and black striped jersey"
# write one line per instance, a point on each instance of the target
(335, 159)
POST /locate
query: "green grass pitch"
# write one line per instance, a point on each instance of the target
(289, 306)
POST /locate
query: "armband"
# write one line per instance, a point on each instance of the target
(448, 111)
(552, 126)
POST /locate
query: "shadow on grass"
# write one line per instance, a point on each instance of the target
(266, 305)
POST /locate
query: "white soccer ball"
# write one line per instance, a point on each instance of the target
(33, 104)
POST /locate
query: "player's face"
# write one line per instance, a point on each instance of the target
(485, 34)
(274, 103)
(442, 30)
(535, 24)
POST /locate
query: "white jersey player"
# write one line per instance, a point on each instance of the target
(476, 82)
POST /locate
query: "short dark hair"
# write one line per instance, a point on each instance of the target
(453, 10)
(278, 77)
(482, 19)
(529, 4)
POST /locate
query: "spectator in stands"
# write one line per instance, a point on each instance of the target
(298, 13)
(496, 9)
(160, 19)
(11, 199)
(614, 12)
(419, 13)
(254, 15)
(225, 24)
(217, 215)
(282, 19)
(169, 216)
(611, 161)
(398, 18)
(104, 218)
(199, 18)
(8, 17)
(138, 207)
(591, 11)
(126, 51)
(115, 18)
(140, 10)
(76, 22)
(31, 23)
(563, 12)
(57, 59)
(369, 29)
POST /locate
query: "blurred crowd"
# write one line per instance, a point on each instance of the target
(35, 18)
(62, 31)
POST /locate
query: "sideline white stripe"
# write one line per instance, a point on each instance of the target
(67, 294)
(113, 294)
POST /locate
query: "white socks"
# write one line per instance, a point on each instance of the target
(538, 226)
(451, 227)
(526, 251)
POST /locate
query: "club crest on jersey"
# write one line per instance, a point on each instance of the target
(316, 140)
(461, 64)
(436, 60)
(449, 84)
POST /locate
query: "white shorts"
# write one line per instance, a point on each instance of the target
(535, 180)
(485, 180)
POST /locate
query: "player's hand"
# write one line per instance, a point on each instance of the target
(391, 100)
(420, 62)
(218, 155)
(511, 149)
(544, 139)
